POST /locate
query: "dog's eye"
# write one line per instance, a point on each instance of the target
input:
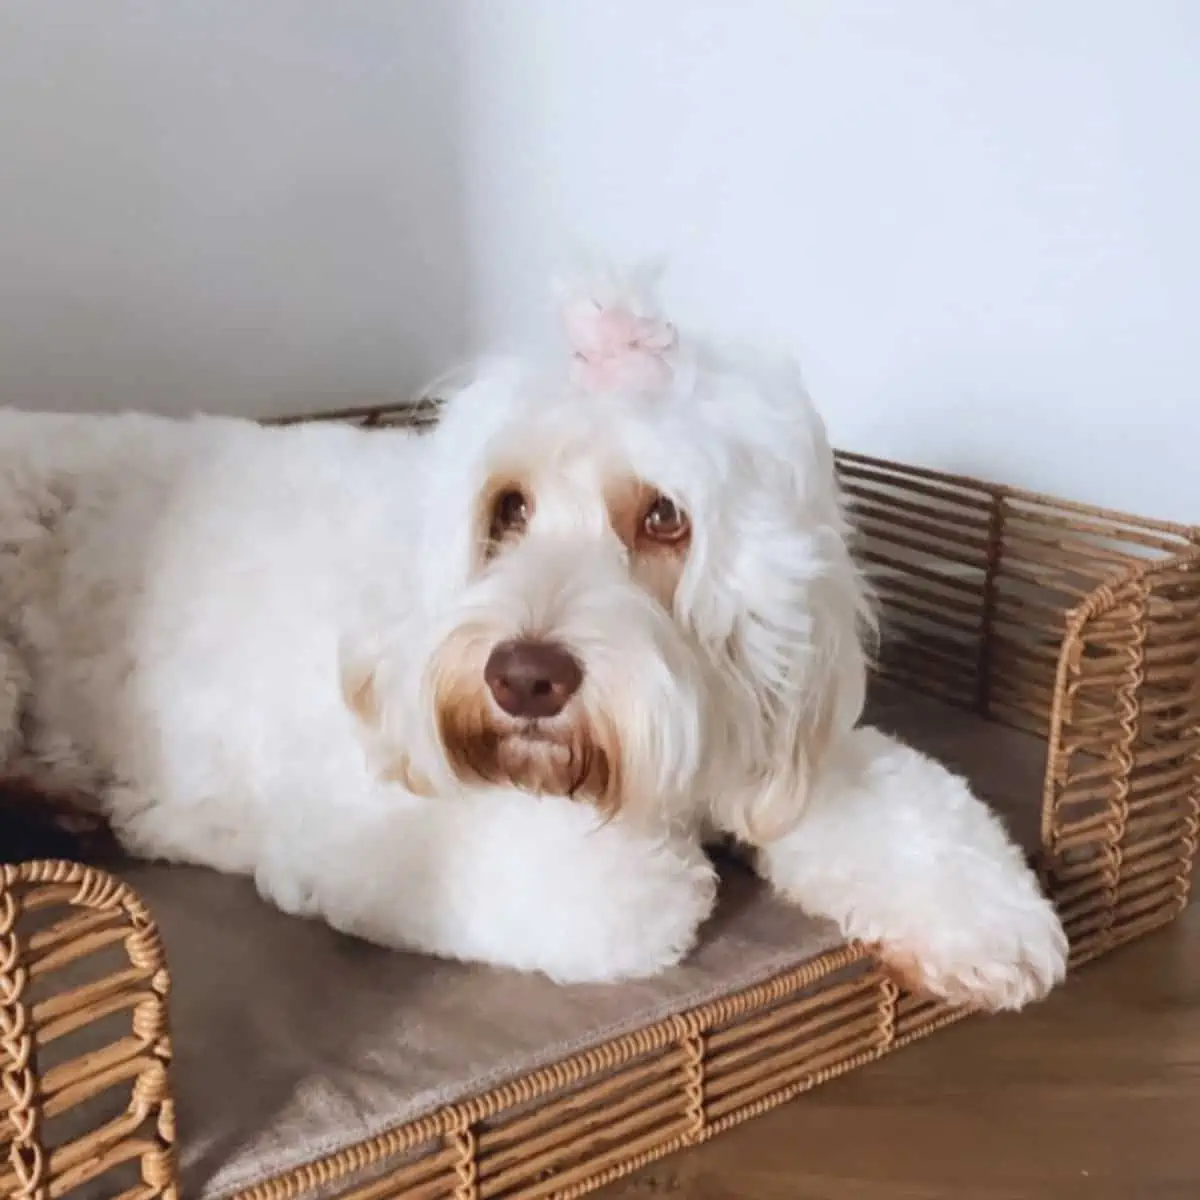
(665, 521)
(510, 513)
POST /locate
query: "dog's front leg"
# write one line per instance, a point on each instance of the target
(537, 884)
(899, 853)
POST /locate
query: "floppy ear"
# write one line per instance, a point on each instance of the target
(363, 677)
(801, 616)
(798, 647)
(816, 699)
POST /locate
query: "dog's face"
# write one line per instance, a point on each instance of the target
(562, 667)
(644, 602)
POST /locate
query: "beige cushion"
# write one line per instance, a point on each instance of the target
(292, 1042)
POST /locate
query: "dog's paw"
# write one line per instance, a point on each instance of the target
(287, 889)
(633, 925)
(997, 959)
(908, 860)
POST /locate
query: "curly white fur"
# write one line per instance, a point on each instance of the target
(265, 649)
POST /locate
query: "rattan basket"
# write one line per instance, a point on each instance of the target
(1078, 625)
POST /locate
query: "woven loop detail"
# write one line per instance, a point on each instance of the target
(694, 1048)
(18, 1071)
(466, 1163)
(889, 996)
(99, 890)
(66, 893)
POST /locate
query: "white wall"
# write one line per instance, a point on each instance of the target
(976, 222)
(246, 205)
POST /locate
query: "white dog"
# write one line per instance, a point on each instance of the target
(486, 692)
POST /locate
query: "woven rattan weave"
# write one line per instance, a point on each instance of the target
(1078, 625)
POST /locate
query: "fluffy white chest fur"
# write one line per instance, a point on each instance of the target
(485, 692)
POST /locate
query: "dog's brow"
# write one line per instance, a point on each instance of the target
(627, 500)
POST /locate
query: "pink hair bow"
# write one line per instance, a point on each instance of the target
(614, 349)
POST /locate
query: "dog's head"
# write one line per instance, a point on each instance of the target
(635, 584)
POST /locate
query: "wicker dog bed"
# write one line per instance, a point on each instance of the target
(1048, 650)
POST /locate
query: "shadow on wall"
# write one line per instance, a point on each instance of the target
(251, 208)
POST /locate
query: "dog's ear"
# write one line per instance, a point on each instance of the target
(804, 660)
(800, 617)
(362, 695)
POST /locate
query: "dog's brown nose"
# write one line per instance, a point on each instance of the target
(532, 679)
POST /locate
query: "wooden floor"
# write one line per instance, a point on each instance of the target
(1094, 1093)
